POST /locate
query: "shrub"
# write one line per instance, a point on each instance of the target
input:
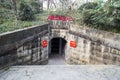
(36, 6)
(25, 12)
(87, 16)
(5, 4)
(89, 5)
(106, 17)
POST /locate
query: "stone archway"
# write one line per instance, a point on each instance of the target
(57, 50)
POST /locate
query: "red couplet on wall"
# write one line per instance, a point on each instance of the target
(73, 44)
(44, 43)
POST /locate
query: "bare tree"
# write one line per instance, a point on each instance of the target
(54, 3)
(41, 4)
(61, 4)
(48, 4)
(65, 4)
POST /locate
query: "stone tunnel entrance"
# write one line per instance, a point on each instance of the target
(57, 51)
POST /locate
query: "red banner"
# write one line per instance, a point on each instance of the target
(62, 18)
(69, 18)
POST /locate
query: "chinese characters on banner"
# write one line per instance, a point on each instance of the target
(62, 18)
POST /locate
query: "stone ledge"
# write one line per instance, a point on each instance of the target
(14, 39)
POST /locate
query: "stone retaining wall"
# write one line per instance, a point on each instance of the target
(93, 46)
(24, 46)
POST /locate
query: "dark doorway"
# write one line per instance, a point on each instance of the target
(57, 51)
(58, 46)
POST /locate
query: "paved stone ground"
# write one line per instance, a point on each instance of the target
(62, 72)
(56, 59)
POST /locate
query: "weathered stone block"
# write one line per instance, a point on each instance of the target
(92, 47)
(93, 52)
(99, 48)
(114, 58)
(43, 62)
(119, 52)
(92, 43)
(74, 55)
(99, 54)
(92, 61)
(106, 49)
(20, 61)
(114, 51)
(74, 61)
(27, 58)
(106, 56)
(84, 41)
(26, 52)
(107, 61)
(98, 60)
(84, 60)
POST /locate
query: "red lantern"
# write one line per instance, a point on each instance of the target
(73, 44)
(44, 43)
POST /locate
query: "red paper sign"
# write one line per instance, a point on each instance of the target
(73, 44)
(44, 43)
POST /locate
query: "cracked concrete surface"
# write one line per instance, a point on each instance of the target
(62, 72)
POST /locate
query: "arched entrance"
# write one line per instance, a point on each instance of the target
(57, 50)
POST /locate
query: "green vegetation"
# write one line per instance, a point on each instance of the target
(23, 14)
(15, 14)
(105, 16)
(36, 6)
(89, 5)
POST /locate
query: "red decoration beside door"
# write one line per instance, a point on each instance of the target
(44, 43)
(73, 44)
